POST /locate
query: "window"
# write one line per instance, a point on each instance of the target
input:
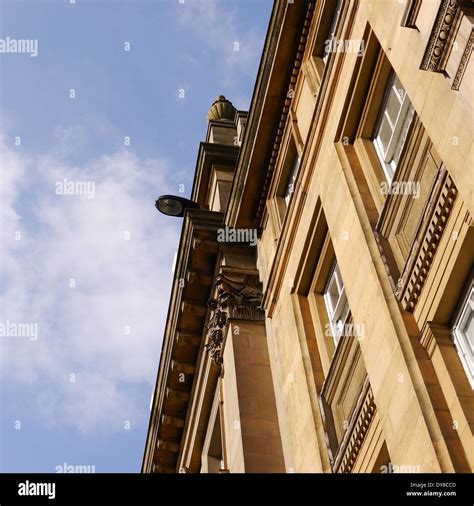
(287, 176)
(332, 30)
(392, 126)
(463, 332)
(292, 178)
(336, 304)
(212, 458)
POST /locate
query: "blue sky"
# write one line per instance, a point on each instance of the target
(92, 272)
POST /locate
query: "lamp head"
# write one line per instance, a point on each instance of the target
(172, 205)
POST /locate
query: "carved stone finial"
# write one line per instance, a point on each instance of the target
(221, 109)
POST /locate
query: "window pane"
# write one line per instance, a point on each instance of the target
(332, 29)
(393, 106)
(469, 331)
(403, 135)
(340, 321)
(291, 180)
(333, 295)
(337, 275)
(337, 305)
(395, 116)
(398, 89)
(463, 334)
(385, 134)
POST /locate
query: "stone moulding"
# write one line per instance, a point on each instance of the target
(442, 34)
(383, 256)
(237, 299)
(411, 13)
(359, 424)
(427, 239)
(286, 107)
(463, 63)
(434, 334)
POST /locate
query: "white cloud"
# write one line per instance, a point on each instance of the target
(105, 329)
(238, 48)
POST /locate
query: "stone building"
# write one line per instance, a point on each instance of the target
(321, 316)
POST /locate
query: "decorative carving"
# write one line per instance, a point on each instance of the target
(234, 299)
(439, 43)
(426, 241)
(463, 63)
(215, 333)
(360, 421)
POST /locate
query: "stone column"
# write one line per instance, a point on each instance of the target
(237, 343)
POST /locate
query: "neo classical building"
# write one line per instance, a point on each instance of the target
(340, 339)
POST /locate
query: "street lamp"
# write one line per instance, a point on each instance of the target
(171, 205)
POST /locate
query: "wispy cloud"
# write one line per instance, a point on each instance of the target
(237, 47)
(91, 273)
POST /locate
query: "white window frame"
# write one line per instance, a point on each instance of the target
(338, 313)
(463, 342)
(399, 129)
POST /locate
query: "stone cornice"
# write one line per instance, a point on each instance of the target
(182, 338)
(439, 44)
(210, 153)
(280, 48)
(463, 63)
(286, 107)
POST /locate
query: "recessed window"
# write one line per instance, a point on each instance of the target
(392, 127)
(463, 332)
(287, 179)
(332, 30)
(213, 451)
(292, 178)
(337, 305)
